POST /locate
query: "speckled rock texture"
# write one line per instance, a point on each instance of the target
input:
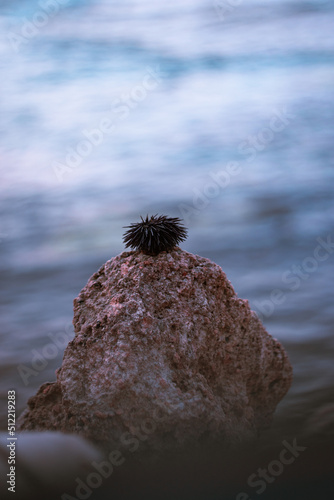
(164, 354)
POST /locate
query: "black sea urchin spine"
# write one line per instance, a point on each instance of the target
(155, 235)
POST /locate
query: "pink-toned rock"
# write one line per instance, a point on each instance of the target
(164, 354)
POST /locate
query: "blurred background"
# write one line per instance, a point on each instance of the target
(217, 112)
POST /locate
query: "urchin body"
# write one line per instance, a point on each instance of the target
(155, 234)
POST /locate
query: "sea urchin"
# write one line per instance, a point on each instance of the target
(155, 235)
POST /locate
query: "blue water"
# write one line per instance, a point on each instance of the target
(190, 92)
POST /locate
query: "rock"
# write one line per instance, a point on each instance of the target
(164, 355)
(46, 464)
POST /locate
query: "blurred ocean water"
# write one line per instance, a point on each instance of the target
(217, 112)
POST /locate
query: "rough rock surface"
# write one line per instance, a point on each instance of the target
(164, 354)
